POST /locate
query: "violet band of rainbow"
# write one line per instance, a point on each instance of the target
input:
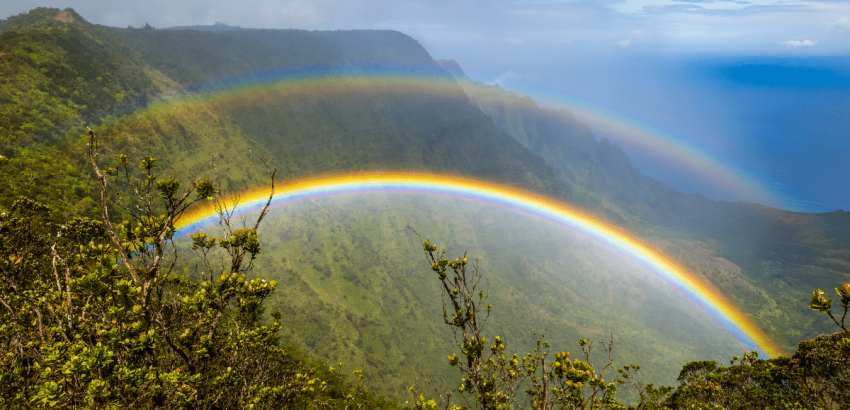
(708, 298)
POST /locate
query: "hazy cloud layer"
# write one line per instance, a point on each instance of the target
(667, 25)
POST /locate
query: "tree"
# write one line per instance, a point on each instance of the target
(817, 376)
(493, 379)
(97, 314)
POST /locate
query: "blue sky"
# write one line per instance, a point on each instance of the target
(677, 67)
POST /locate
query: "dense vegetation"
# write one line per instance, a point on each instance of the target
(79, 329)
(96, 316)
(817, 376)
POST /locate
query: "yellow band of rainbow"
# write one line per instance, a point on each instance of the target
(706, 296)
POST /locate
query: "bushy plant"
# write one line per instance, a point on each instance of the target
(95, 314)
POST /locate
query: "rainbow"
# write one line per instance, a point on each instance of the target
(723, 311)
(334, 80)
(634, 134)
(431, 80)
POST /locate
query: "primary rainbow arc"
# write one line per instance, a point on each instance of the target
(724, 312)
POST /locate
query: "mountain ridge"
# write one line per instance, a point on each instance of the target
(482, 132)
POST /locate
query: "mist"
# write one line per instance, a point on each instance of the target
(663, 66)
(712, 135)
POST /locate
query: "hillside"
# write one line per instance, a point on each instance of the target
(773, 249)
(353, 284)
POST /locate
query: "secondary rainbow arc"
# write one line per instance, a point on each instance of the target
(429, 79)
(724, 312)
(639, 135)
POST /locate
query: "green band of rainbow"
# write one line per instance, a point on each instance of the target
(708, 298)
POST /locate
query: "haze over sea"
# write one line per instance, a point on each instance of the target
(779, 121)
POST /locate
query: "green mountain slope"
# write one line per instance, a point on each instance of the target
(357, 287)
(427, 125)
(59, 73)
(776, 257)
(353, 283)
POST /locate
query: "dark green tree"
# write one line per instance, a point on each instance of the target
(817, 376)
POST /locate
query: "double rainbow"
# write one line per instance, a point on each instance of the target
(724, 312)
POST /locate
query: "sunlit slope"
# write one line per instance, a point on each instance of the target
(59, 73)
(57, 70)
(199, 59)
(355, 287)
(332, 102)
(771, 259)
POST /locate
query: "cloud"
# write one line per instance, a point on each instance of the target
(798, 43)
(840, 26)
(624, 43)
(503, 77)
(673, 8)
(773, 11)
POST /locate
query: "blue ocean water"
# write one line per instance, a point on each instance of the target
(787, 123)
(781, 122)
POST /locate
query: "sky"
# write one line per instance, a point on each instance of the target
(760, 26)
(675, 70)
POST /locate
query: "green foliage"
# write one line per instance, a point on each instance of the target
(816, 376)
(492, 378)
(821, 304)
(57, 72)
(93, 315)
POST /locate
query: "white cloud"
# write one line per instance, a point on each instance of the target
(624, 43)
(505, 76)
(840, 26)
(798, 43)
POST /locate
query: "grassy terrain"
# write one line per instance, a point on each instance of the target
(354, 286)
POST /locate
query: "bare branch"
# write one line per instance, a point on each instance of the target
(104, 212)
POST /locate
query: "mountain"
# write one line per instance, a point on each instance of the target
(353, 284)
(773, 249)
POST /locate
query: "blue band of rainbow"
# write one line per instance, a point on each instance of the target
(706, 296)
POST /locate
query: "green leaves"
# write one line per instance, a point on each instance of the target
(246, 239)
(199, 240)
(168, 188)
(121, 159)
(819, 301)
(493, 380)
(147, 164)
(49, 394)
(205, 188)
(844, 291)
